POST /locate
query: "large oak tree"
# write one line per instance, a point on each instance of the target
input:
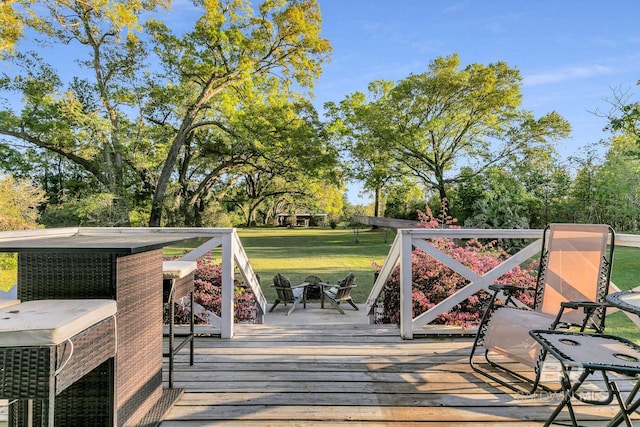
(435, 123)
(133, 127)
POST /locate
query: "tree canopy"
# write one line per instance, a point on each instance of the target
(133, 128)
(213, 122)
(433, 123)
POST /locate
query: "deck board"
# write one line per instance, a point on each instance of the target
(335, 375)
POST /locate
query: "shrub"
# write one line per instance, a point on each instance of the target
(433, 281)
(208, 293)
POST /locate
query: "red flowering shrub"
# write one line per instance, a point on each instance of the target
(208, 293)
(433, 281)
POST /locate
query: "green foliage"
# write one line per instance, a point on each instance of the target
(614, 187)
(9, 277)
(19, 202)
(358, 125)
(503, 202)
(161, 141)
(224, 68)
(10, 25)
(430, 123)
(624, 117)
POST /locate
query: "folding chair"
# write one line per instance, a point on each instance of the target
(571, 286)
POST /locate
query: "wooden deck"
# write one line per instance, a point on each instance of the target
(342, 375)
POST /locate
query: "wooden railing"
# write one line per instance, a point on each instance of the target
(233, 255)
(407, 239)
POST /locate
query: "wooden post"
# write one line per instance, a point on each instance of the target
(227, 306)
(406, 297)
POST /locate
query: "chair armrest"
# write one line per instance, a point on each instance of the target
(301, 285)
(584, 304)
(589, 308)
(343, 287)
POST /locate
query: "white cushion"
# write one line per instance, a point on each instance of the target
(50, 322)
(297, 292)
(177, 269)
(8, 302)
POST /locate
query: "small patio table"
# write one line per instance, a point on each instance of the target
(590, 353)
(628, 301)
(124, 265)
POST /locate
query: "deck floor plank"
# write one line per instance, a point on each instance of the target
(349, 375)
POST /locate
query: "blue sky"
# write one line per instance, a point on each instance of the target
(571, 54)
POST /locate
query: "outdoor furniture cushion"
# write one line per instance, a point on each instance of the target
(8, 302)
(177, 269)
(50, 322)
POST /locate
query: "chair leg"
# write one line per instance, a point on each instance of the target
(569, 392)
(626, 407)
(336, 305)
(192, 329)
(274, 305)
(293, 306)
(171, 331)
(350, 301)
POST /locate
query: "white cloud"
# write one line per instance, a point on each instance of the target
(565, 74)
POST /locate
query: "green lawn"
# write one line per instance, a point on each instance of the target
(626, 275)
(300, 252)
(329, 254)
(8, 278)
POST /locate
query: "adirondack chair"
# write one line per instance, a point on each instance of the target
(288, 294)
(341, 292)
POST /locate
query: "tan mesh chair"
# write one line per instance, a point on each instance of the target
(570, 291)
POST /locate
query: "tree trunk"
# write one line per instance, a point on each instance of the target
(377, 201)
(443, 198)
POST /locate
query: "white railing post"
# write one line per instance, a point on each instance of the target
(250, 278)
(227, 305)
(406, 294)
